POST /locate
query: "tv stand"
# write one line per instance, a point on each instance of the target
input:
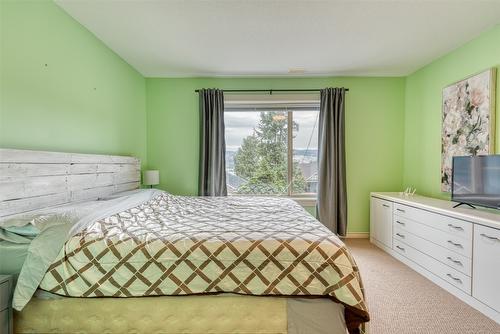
(462, 203)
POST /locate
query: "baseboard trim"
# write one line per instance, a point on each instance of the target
(358, 235)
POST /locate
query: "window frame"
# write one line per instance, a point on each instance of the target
(306, 199)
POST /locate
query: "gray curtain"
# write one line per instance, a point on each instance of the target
(331, 208)
(212, 178)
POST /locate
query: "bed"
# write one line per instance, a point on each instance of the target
(113, 253)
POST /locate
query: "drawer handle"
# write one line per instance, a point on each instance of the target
(455, 261)
(459, 228)
(400, 223)
(455, 244)
(489, 237)
(401, 210)
(401, 248)
(400, 235)
(454, 278)
(385, 205)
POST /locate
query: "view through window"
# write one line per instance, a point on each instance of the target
(272, 151)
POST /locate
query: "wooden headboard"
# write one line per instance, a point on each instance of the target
(31, 180)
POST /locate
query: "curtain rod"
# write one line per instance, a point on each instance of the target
(270, 91)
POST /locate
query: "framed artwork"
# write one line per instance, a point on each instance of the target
(468, 120)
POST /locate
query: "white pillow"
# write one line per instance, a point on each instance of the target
(49, 216)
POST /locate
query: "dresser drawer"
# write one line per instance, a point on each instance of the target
(486, 273)
(443, 255)
(4, 295)
(446, 240)
(456, 227)
(450, 275)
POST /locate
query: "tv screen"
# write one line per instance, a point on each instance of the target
(476, 180)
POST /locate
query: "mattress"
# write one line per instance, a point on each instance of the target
(223, 314)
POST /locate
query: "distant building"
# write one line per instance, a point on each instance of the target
(312, 183)
(310, 172)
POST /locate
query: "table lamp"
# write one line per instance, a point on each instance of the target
(151, 178)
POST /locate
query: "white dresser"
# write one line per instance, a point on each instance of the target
(456, 248)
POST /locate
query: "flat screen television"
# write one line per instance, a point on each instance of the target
(476, 180)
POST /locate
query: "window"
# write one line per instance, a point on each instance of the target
(272, 149)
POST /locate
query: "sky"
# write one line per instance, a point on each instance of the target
(241, 124)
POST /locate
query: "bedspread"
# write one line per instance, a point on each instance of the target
(179, 245)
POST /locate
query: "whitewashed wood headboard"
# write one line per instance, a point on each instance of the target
(30, 180)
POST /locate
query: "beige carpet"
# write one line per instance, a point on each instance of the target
(401, 301)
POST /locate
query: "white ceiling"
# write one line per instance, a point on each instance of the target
(268, 38)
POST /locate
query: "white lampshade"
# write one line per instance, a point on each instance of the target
(151, 177)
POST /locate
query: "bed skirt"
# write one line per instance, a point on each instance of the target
(221, 314)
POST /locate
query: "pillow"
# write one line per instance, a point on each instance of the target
(61, 213)
(42, 218)
(19, 234)
(26, 230)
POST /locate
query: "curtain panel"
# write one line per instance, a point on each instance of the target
(212, 173)
(331, 207)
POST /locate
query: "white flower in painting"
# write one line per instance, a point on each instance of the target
(450, 104)
(454, 123)
(484, 111)
(447, 121)
(452, 151)
(482, 136)
(462, 140)
(477, 97)
(461, 91)
(446, 141)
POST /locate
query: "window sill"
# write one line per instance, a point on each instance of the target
(304, 201)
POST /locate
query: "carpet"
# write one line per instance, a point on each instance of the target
(401, 301)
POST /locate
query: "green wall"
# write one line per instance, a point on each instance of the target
(374, 130)
(62, 89)
(422, 159)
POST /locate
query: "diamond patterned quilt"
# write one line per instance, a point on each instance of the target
(179, 245)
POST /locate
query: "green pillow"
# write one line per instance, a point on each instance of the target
(26, 230)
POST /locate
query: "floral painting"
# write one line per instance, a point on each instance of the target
(467, 121)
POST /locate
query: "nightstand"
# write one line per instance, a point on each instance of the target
(6, 286)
